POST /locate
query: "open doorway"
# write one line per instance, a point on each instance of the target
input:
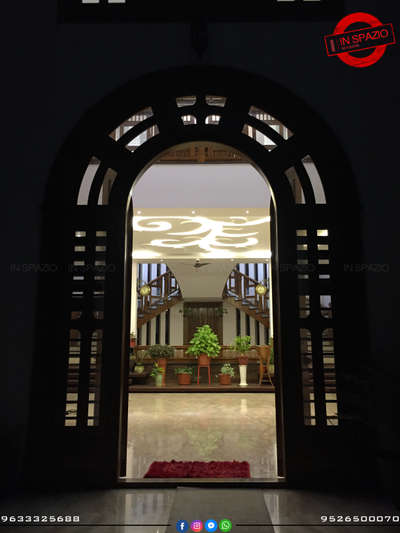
(201, 256)
(84, 304)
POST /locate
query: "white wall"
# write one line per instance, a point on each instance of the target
(206, 282)
(229, 323)
(176, 325)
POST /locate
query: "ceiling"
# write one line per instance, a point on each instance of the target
(206, 282)
(204, 233)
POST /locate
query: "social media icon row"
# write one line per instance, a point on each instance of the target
(209, 525)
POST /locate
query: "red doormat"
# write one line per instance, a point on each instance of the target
(213, 469)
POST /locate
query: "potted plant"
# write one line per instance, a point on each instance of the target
(204, 344)
(184, 374)
(242, 345)
(161, 353)
(139, 366)
(157, 373)
(226, 374)
(136, 362)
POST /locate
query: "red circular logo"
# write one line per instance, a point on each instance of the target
(376, 53)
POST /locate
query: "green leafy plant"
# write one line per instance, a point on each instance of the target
(137, 358)
(204, 341)
(156, 370)
(241, 344)
(184, 370)
(227, 369)
(161, 351)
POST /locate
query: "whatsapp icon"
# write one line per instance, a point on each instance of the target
(225, 525)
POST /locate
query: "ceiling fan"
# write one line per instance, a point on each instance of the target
(197, 264)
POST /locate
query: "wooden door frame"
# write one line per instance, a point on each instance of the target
(79, 452)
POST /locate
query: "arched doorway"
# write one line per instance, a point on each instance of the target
(83, 318)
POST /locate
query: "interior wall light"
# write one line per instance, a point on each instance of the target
(145, 290)
(261, 288)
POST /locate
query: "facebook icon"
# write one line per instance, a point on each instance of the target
(182, 525)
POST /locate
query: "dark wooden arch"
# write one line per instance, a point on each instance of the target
(92, 454)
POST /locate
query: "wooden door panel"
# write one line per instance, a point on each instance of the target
(200, 313)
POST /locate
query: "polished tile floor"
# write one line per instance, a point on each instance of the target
(149, 510)
(202, 427)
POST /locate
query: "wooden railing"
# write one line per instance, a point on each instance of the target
(241, 286)
(202, 153)
(181, 357)
(161, 288)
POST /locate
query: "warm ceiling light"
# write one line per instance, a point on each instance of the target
(139, 212)
(216, 237)
(247, 211)
(144, 254)
(193, 212)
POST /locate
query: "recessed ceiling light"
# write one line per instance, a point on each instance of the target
(139, 212)
(193, 212)
(247, 211)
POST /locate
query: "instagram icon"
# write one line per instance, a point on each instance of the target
(197, 525)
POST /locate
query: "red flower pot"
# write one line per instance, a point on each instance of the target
(243, 360)
(224, 379)
(203, 359)
(184, 379)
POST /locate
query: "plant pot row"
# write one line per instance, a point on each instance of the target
(186, 379)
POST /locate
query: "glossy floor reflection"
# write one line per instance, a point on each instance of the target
(310, 511)
(149, 510)
(202, 427)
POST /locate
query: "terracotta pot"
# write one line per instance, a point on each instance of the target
(224, 379)
(184, 379)
(243, 359)
(163, 364)
(203, 359)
